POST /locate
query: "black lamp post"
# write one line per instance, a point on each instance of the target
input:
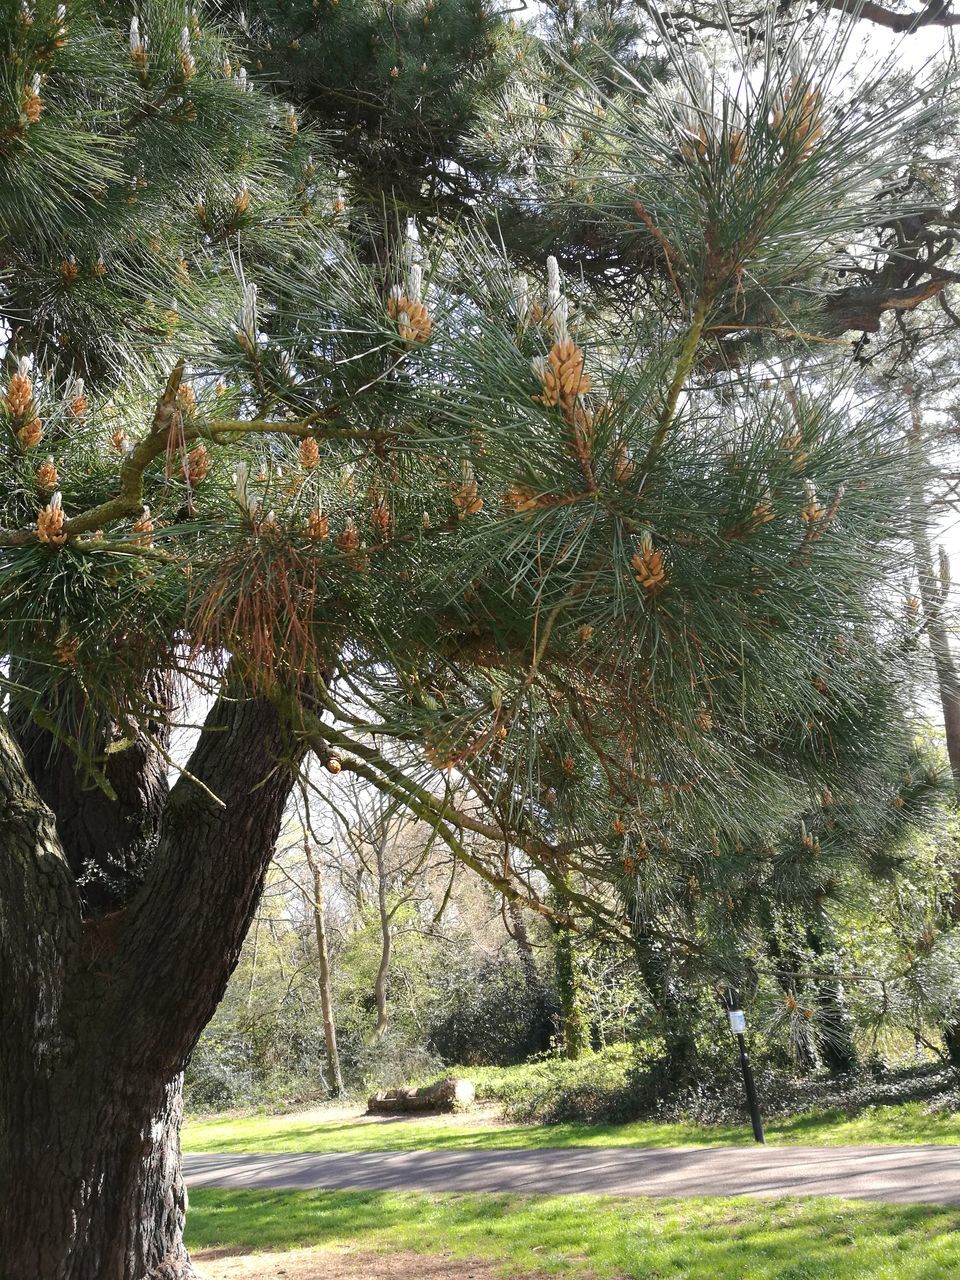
(738, 1025)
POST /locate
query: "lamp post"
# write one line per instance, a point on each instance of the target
(738, 1025)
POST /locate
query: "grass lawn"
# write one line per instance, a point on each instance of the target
(907, 1122)
(715, 1239)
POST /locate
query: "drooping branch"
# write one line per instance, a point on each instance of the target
(449, 821)
(936, 14)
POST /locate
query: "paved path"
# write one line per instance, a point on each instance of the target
(899, 1175)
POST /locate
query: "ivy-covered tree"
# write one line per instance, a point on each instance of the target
(430, 520)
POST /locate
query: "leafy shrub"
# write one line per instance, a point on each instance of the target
(490, 1014)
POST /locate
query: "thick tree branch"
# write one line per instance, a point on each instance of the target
(168, 423)
(182, 935)
(862, 308)
(39, 923)
(936, 14)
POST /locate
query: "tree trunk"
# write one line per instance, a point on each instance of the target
(672, 998)
(838, 1047)
(932, 598)
(99, 1015)
(386, 934)
(951, 1042)
(518, 931)
(676, 1005)
(95, 1190)
(108, 840)
(574, 1024)
(335, 1079)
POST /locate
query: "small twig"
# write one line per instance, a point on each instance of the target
(641, 211)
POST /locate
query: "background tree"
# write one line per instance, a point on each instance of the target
(318, 903)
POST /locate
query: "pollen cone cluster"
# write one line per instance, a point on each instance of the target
(19, 403)
(318, 525)
(77, 407)
(522, 499)
(648, 565)
(143, 529)
(19, 395)
(50, 522)
(309, 453)
(31, 433)
(562, 373)
(811, 511)
(800, 122)
(32, 102)
(381, 519)
(196, 466)
(412, 319)
(701, 143)
(47, 475)
(348, 539)
(466, 497)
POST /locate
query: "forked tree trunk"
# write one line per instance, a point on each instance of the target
(335, 1080)
(98, 1017)
(933, 597)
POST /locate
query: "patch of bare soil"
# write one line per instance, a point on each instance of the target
(339, 1264)
(483, 1115)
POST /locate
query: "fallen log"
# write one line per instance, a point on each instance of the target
(449, 1094)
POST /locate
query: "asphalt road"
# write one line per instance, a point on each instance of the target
(898, 1175)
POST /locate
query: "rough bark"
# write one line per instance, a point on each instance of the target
(863, 308)
(451, 1094)
(334, 1076)
(99, 1016)
(937, 13)
(950, 1035)
(945, 666)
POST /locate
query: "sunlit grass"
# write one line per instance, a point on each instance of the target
(691, 1239)
(908, 1122)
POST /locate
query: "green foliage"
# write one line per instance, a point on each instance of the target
(397, 92)
(550, 1089)
(465, 527)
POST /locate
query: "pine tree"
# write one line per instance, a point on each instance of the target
(425, 517)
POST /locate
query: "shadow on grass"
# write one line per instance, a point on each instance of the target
(439, 1134)
(701, 1239)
